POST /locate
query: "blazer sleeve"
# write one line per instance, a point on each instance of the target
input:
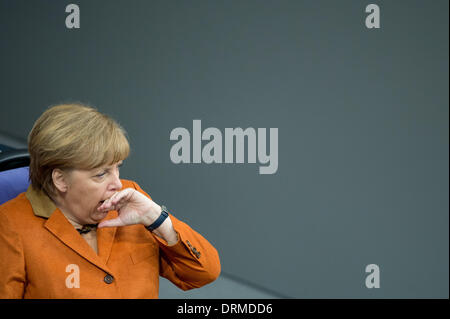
(190, 263)
(12, 261)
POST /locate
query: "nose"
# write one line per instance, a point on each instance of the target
(116, 184)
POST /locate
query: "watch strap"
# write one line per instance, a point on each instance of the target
(160, 219)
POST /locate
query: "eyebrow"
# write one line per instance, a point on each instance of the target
(118, 163)
(109, 166)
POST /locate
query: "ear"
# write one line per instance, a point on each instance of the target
(60, 180)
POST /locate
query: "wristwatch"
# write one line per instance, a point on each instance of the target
(160, 220)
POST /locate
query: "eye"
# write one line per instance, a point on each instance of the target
(100, 175)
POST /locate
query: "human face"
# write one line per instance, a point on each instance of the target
(86, 191)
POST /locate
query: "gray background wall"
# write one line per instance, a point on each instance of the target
(362, 117)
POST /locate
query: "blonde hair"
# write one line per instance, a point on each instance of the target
(73, 136)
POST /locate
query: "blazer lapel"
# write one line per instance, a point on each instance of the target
(105, 238)
(59, 226)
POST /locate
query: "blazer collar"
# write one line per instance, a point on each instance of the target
(59, 226)
(42, 205)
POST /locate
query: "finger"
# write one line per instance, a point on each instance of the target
(111, 223)
(117, 197)
(109, 204)
(106, 206)
(122, 195)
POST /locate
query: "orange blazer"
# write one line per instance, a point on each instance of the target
(43, 256)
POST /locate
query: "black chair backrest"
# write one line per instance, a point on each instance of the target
(13, 159)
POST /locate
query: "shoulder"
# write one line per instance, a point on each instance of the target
(18, 213)
(15, 206)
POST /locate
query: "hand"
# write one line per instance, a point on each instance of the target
(133, 208)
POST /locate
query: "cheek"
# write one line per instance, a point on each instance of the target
(91, 194)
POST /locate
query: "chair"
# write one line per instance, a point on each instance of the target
(14, 173)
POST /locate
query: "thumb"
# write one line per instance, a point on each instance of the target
(111, 223)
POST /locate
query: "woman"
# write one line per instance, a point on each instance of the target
(81, 232)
